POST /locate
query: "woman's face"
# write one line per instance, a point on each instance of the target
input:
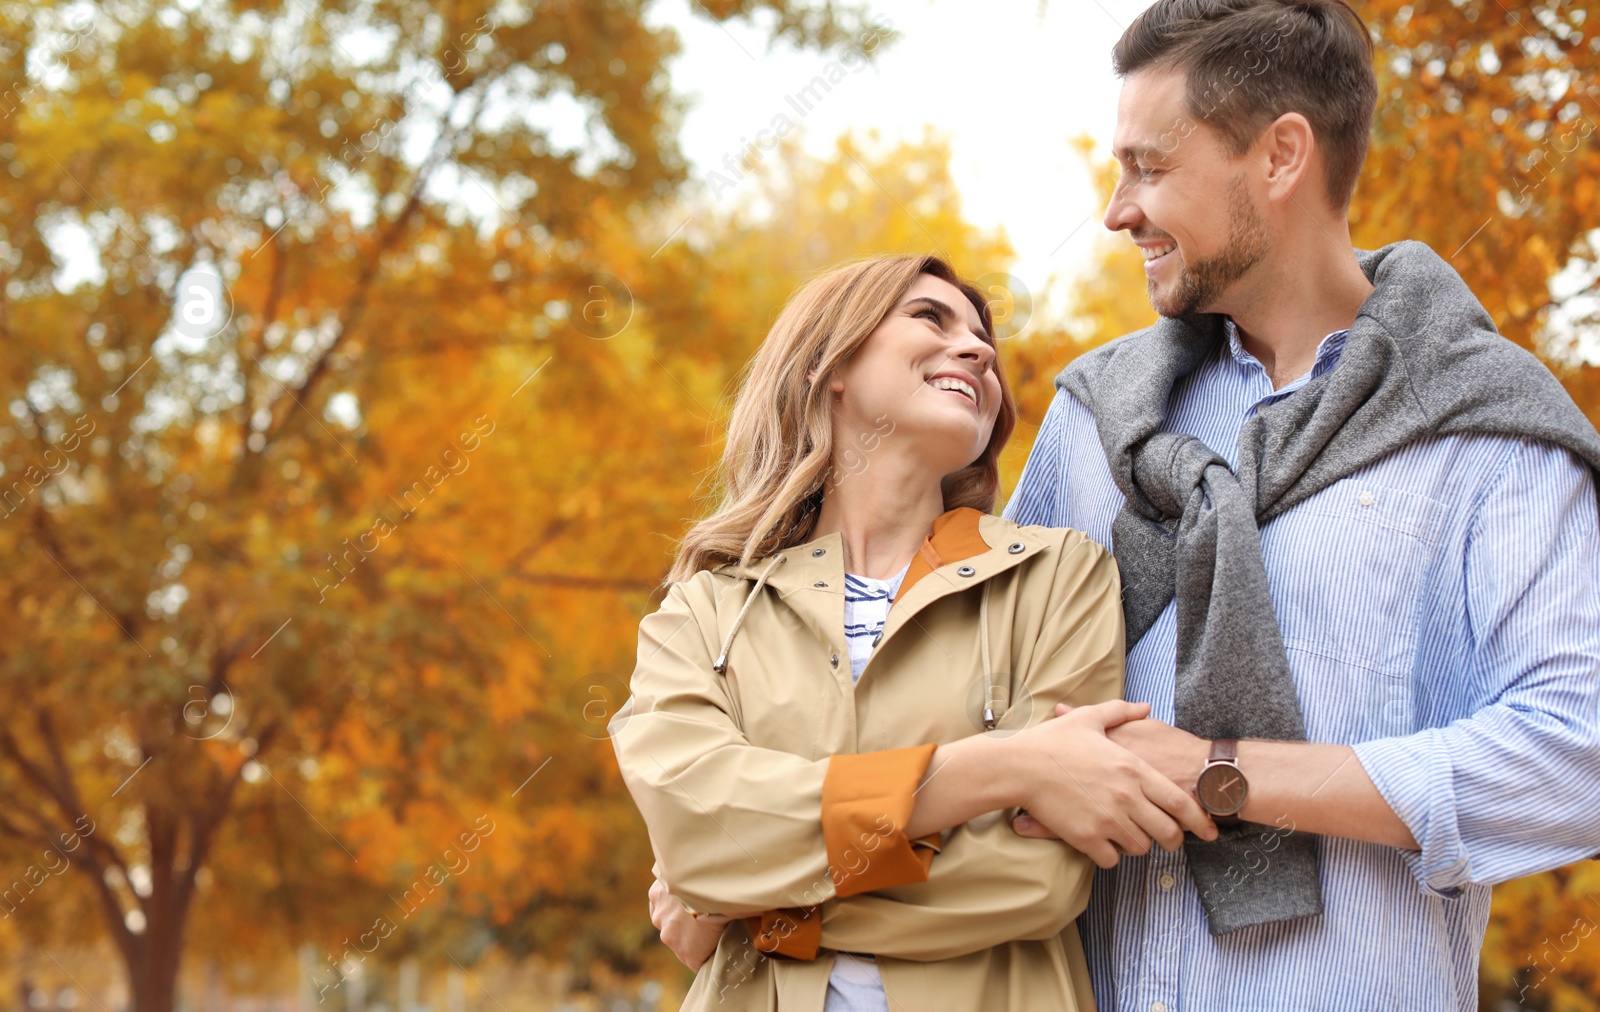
(924, 378)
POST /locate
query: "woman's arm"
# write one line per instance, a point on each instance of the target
(989, 885)
(983, 891)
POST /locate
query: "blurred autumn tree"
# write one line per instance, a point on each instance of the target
(1485, 149)
(307, 404)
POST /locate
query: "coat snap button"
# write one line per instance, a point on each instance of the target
(965, 571)
(1016, 548)
(820, 583)
(819, 553)
(834, 660)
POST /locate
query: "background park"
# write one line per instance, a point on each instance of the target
(362, 359)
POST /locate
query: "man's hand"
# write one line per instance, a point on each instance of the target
(1098, 795)
(692, 939)
(1177, 754)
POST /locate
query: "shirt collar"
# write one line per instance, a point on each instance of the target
(1328, 350)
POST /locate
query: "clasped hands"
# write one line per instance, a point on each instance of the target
(1123, 782)
(1105, 779)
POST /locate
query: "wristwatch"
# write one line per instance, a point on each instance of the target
(1222, 788)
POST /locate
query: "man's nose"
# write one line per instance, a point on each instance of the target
(1121, 213)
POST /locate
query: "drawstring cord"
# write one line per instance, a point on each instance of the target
(989, 719)
(720, 666)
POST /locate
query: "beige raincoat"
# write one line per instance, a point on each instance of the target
(769, 783)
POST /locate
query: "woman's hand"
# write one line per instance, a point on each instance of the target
(1097, 795)
(692, 939)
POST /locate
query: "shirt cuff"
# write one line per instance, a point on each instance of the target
(1416, 777)
(866, 803)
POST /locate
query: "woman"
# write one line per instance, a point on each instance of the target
(803, 735)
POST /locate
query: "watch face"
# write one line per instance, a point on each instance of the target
(1221, 789)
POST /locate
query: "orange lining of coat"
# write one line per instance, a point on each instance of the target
(954, 537)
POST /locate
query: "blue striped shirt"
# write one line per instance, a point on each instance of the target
(866, 610)
(1441, 612)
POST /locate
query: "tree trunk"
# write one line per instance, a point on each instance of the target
(155, 978)
(156, 957)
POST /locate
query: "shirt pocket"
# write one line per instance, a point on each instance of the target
(1347, 568)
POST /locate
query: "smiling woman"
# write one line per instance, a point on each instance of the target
(827, 658)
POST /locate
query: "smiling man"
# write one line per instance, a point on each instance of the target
(1357, 531)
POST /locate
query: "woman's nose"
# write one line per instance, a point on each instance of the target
(977, 350)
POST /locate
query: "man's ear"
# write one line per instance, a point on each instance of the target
(1287, 151)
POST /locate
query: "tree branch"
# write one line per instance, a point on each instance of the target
(95, 848)
(356, 305)
(253, 345)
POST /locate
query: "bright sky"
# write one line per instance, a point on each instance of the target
(1009, 82)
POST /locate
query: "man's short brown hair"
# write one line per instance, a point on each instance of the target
(1247, 62)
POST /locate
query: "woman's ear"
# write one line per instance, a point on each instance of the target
(835, 380)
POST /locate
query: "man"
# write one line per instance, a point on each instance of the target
(1357, 533)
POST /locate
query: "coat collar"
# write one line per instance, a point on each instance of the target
(963, 549)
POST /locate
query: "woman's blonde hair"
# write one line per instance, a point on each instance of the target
(775, 465)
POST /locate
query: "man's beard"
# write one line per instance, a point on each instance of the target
(1202, 283)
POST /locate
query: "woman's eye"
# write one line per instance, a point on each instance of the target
(929, 314)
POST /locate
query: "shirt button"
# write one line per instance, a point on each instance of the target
(1158, 1006)
(1167, 881)
(1366, 498)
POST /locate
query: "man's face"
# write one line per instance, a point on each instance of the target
(1183, 198)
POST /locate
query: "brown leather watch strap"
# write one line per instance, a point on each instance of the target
(1225, 750)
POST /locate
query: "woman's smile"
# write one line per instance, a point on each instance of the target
(958, 384)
